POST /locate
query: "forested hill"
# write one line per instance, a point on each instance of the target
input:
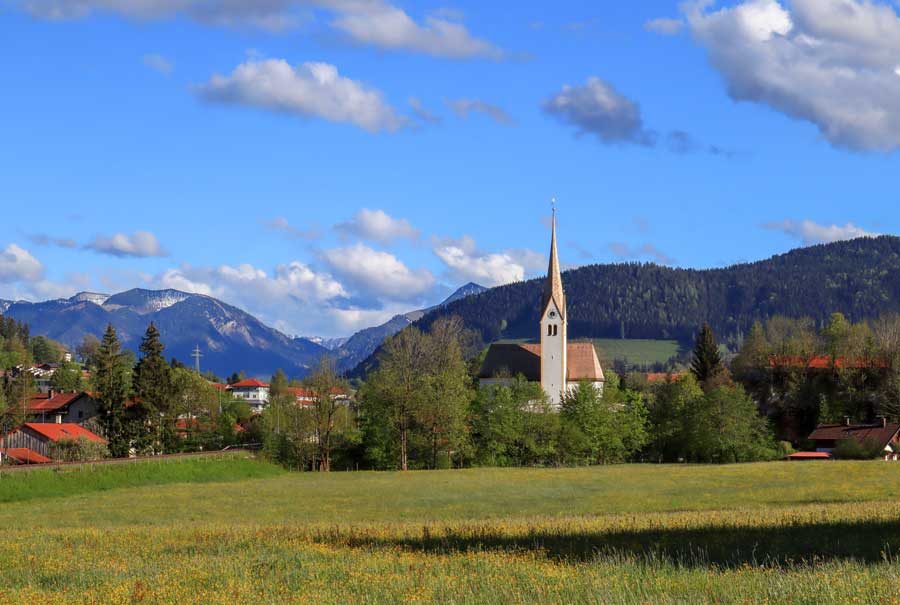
(861, 278)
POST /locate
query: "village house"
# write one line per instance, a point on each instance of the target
(557, 364)
(62, 408)
(883, 433)
(307, 397)
(38, 437)
(254, 392)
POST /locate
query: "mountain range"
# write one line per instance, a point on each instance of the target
(229, 339)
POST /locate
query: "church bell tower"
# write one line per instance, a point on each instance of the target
(553, 329)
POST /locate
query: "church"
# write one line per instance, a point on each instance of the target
(559, 365)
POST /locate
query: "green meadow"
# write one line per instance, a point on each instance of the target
(773, 532)
(636, 351)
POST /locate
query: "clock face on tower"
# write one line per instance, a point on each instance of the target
(552, 315)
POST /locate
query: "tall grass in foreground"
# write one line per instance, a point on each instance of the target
(19, 486)
(610, 560)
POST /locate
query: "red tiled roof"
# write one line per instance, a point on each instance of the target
(250, 383)
(23, 455)
(881, 434)
(810, 456)
(654, 377)
(825, 362)
(221, 387)
(45, 403)
(55, 432)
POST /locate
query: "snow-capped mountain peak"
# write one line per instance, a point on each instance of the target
(145, 302)
(91, 297)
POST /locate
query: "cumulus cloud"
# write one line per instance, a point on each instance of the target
(810, 232)
(142, 244)
(372, 22)
(386, 26)
(597, 108)
(666, 27)
(309, 90)
(464, 107)
(466, 263)
(17, 264)
(378, 273)
(158, 63)
(623, 251)
(377, 226)
(832, 63)
(283, 226)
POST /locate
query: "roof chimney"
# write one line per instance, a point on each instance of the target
(846, 420)
(50, 394)
(883, 420)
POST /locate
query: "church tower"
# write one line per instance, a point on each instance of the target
(553, 329)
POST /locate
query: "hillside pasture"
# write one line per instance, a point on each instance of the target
(636, 352)
(774, 532)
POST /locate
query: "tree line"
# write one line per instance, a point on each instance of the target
(861, 278)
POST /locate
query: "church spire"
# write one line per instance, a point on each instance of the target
(553, 290)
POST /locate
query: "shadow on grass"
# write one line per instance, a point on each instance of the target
(864, 541)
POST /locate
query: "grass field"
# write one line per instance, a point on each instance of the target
(636, 352)
(759, 533)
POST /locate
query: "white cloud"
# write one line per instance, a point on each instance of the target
(158, 63)
(17, 264)
(377, 226)
(378, 273)
(666, 27)
(385, 26)
(810, 232)
(142, 244)
(310, 90)
(597, 108)
(371, 22)
(829, 62)
(466, 263)
(464, 107)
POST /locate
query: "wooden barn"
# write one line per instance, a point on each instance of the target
(38, 437)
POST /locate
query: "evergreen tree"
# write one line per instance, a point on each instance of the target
(153, 396)
(707, 362)
(67, 378)
(112, 386)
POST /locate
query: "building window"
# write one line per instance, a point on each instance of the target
(555, 328)
(549, 330)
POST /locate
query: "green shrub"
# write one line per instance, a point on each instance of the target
(80, 450)
(851, 449)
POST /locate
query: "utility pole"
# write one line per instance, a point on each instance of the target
(197, 355)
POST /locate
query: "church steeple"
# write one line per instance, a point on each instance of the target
(553, 289)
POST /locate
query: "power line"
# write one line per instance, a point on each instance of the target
(197, 355)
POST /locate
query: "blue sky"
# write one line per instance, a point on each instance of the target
(325, 164)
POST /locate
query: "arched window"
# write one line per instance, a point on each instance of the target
(549, 330)
(555, 328)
